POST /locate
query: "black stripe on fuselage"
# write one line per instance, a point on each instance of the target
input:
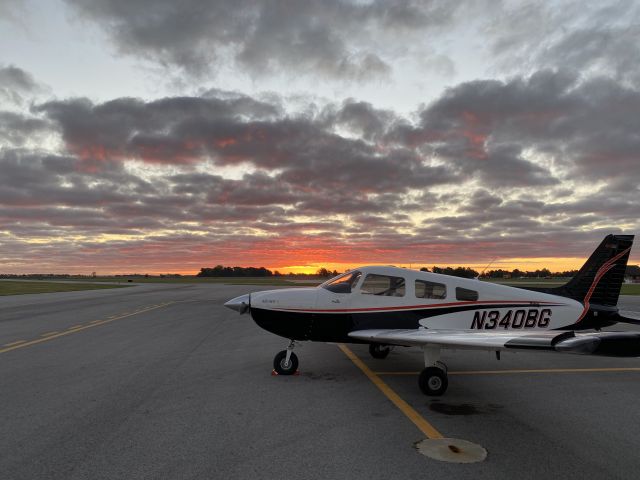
(335, 327)
(305, 326)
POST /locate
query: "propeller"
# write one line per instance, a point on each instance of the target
(241, 304)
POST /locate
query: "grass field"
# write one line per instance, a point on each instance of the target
(184, 279)
(22, 287)
(630, 289)
(197, 280)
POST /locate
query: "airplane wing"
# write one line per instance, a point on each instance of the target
(616, 344)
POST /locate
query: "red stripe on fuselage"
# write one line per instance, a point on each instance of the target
(415, 307)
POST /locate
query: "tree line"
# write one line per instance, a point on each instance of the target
(541, 273)
(464, 272)
(467, 272)
(222, 271)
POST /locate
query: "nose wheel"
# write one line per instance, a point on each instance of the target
(286, 362)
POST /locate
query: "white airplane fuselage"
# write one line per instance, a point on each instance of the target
(319, 314)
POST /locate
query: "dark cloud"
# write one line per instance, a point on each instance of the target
(500, 131)
(37, 179)
(612, 51)
(336, 38)
(359, 118)
(58, 191)
(595, 39)
(305, 155)
(16, 84)
(166, 130)
(17, 129)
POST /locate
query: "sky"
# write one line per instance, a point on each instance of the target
(162, 137)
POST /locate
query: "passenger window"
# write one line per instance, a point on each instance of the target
(426, 289)
(343, 283)
(383, 285)
(465, 294)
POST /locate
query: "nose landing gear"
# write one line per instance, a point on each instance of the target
(433, 379)
(286, 362)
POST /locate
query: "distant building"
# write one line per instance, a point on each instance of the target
(632, 274)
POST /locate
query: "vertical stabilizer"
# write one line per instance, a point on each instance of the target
(600, 279)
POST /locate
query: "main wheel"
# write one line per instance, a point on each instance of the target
(433, 381)
(379, 351)
(283, 368)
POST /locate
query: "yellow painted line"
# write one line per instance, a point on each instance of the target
(538, 370)
(424, 426)
(52, 335)
(97, 321)
(17, 342)
(48, 334)
(75, 326)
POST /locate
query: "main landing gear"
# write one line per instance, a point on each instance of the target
(433, 379)
(379, 351)
(286, 362)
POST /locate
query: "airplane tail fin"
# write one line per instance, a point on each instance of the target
(600, 279)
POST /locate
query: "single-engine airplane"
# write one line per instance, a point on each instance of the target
(389, 306)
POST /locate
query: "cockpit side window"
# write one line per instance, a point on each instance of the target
(383, 285)
(343, 283)
(466, 295)
(426, 289)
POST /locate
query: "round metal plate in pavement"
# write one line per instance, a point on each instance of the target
(451, 450)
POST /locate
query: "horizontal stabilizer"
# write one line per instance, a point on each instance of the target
(628, 316)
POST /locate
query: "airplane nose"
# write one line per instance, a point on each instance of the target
(240, 304)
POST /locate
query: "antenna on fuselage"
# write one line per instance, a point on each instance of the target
(485, 268)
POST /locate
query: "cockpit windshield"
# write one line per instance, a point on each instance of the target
(342, 283)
